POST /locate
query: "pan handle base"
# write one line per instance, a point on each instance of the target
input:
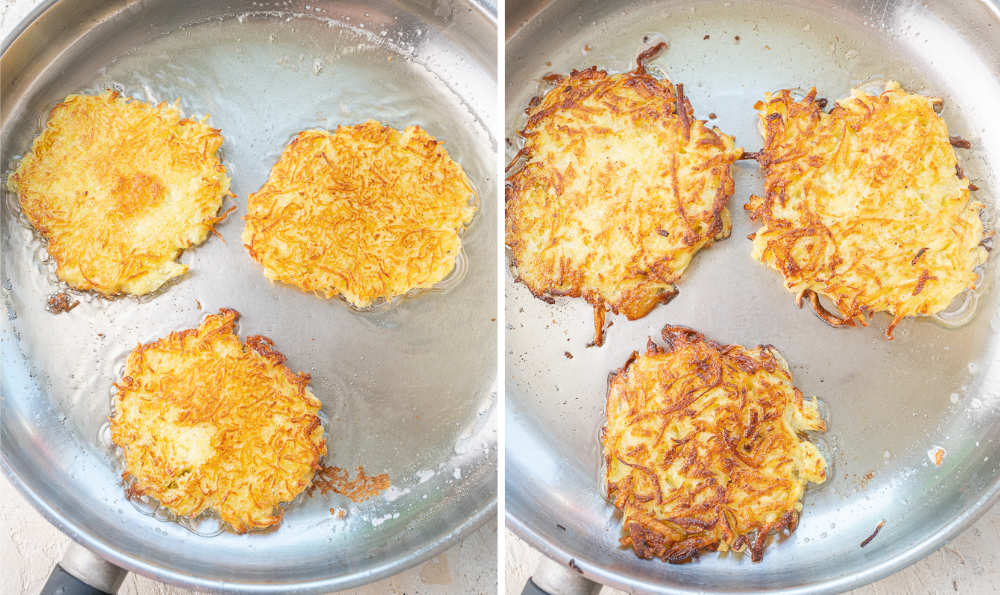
(82, 572)
(553, 578)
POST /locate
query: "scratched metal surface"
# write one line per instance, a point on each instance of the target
(409, 389)
(887, 403)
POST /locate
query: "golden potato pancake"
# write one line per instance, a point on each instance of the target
(615, 190)
(208, 423)
(866, 205)
(119, 188)
(367, 213)
(704, 447)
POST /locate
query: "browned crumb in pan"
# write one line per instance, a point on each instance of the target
(874, 533)
(60, 302)
(359, 489)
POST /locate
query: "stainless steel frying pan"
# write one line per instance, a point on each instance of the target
(409, 389)
(887, 403)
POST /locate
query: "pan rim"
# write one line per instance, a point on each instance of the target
(599, 573)
(168, 575)
(393, 565)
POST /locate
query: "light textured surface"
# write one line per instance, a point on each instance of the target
(968, 564)
(29, 546)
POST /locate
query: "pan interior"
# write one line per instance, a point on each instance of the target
(409, 389)
(887, 403)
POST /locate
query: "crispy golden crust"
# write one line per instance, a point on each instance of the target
(119, 188)
(866, 205)
(367, 212)
(616, 188)
(703, 447)
(208, 423)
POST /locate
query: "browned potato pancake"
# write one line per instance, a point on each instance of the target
(208, 423)
(366, 213)
(119, 188)
(704, 447)
(615, 190)
(865, 205)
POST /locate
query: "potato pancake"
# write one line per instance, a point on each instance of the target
(208, 423)
(704, 447)
(866, 205)
(366, 213)
(615, 190)
(119, 188)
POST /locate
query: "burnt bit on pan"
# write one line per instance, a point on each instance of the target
(647, 54)
(60, 303)
(874, 533)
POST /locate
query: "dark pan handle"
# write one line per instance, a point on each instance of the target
(63, 583)
(81, 572)
(553, 578)
(530, 588)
